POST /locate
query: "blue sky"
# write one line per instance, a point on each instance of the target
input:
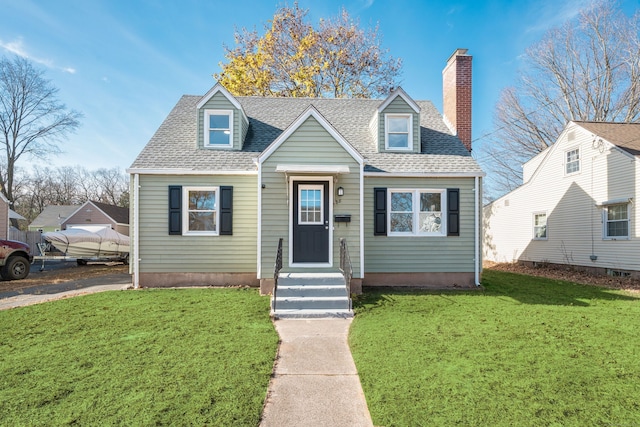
(125, 63)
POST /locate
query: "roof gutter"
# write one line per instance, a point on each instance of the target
(427, 174)
(143, 171)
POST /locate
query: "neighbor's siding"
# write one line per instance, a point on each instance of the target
(309, 144)
(574, 221)
(421, 254)
(399, 106)
(162, 253)
(219, 102)
(4, 219)
(89, 214)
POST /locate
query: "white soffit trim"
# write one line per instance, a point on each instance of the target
(426, 174)
(311, 111)
(332, 169)
(402, 94)
(219, 88)
(143, 171)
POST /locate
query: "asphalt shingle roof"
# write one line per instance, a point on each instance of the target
(624, 135)
(174, 144)
(117, 213)
(53, 215)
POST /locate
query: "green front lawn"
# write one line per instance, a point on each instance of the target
(150, 357)
(525, 351)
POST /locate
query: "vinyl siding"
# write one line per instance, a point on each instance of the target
(90, 215)
(240, 127)
(309, 144)
(399, 106)
(421, 254)
(4, 219)
(160, 252)
(574, 219)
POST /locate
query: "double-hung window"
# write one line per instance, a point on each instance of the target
(616, 221)
(416, 212)
(218, 128)
(398, 133)
(540, 226)
(200, 210)
(572, 161)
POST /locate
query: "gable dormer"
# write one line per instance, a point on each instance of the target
(396, 124)
(222, 122)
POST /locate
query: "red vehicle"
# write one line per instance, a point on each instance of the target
(15, 260)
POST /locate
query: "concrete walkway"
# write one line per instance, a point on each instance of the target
(315, 382)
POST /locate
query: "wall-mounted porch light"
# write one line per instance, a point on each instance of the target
(340, 191)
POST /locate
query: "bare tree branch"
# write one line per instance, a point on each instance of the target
(587, 70)
(293, 58)
(32, 119)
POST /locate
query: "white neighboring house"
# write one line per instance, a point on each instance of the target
(577, 205)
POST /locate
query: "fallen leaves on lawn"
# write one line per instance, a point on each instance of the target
(570, 274)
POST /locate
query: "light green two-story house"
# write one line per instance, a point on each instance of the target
(225, 178)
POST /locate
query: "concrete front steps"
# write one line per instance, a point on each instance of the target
(311, 295)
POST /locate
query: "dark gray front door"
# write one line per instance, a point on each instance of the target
(310, 222)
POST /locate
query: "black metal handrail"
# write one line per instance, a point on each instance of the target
(345, 266)
(276, 272)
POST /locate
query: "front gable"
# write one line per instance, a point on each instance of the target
(311, 139)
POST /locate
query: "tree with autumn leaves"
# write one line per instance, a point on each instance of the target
(336, 59)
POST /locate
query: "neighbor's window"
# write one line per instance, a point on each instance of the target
(416, 212)
(540, 226)
(572, 164)
(218, 128)
(616, 221)
(201, 208)
(397, 134)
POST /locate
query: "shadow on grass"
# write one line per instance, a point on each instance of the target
(520, 289)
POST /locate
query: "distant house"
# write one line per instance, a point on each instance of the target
(51, 218)
(95, 215)
(225, 178)
(578, 204)
(5, 220)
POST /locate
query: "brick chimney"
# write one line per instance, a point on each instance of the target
(456, 95)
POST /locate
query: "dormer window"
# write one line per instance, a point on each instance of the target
(398, 131)
(218, 128)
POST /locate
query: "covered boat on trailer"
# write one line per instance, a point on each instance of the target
(86, 245)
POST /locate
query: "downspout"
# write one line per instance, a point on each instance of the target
(361, 220)
(477, 231)
(259, 215)
(136, 231)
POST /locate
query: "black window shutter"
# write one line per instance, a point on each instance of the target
(226, 211)
(453, 212)
(175, 209)
(379, 211)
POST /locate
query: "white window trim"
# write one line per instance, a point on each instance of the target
(565, 163)
(533, 225)
(185, 211)
(410, 132)
(605, 221)
(208, 113)
(299, 207)
(416, 212)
